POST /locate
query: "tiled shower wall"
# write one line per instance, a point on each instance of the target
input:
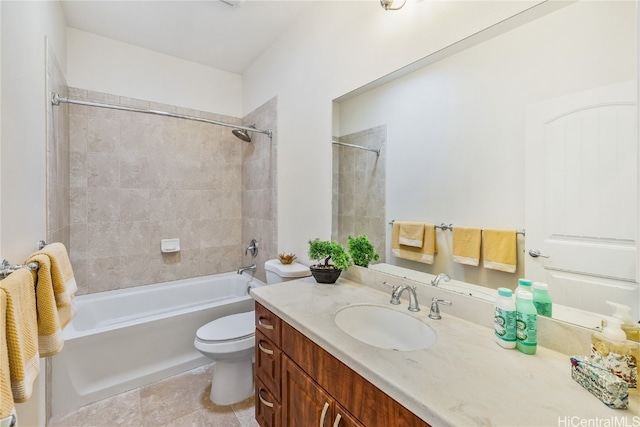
(138, 178)
(359, 181)
(58, 207)
(259, 190)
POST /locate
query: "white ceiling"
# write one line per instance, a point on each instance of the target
(208, 32)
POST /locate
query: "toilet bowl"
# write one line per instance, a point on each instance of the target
(230, 342)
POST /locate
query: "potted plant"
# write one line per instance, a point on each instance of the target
(361, 250)
(324, 251)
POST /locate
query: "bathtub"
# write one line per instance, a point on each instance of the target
(124, 339)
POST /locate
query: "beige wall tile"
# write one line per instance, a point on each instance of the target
(137, 178)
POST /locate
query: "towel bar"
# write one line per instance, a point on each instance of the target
(444, 226)
(6, 268)
(9, 421)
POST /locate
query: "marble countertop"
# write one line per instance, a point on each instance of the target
(465, 379)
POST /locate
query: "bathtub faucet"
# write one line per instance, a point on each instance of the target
(251, 268)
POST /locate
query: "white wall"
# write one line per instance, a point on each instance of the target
(105, 65)
(337, 48)
(22, 142)
(24, 26)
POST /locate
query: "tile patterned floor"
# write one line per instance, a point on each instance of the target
(181, 400)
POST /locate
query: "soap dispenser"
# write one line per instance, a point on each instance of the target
(623, 312)
(611, 350)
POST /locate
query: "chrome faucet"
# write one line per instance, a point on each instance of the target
(435, 309)
(397, 292)
(435, 282)
(251, 268)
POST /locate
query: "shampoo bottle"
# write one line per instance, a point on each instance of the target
(504, 319)
(542, 299)
(526, 323)
(623, 312)
(523, 285)
(611, 350)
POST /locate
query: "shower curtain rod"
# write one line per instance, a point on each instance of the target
(357, 146)
(57, 99)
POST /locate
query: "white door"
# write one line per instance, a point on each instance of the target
(582, 197)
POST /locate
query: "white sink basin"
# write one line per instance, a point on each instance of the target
(385, 327)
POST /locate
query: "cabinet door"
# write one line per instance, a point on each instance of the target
(268, 323)
(304, 403)
(268, 359)
(268, 410)
(342, 418)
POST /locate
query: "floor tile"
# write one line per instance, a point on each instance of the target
(178, 401)
(122, 410)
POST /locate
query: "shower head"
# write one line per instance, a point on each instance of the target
(243, 134)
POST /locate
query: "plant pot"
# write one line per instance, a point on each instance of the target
(325, 275)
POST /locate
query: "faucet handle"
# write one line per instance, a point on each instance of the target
(395, 297)
(435, 309)
(253, 248)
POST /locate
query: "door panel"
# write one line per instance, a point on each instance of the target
(582, 196)
(305, 403)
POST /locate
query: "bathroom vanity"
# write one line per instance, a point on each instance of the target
(298, 383)
(309, 372)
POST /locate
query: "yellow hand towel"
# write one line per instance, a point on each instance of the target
(63, 280)
(50, 316)
(6, 396)
(466, 242)
(425, 254)
(22, 333)
(411, 234)
(500, 252)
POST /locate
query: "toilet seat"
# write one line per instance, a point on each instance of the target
(235, 327)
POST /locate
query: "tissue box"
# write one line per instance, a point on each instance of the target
(610, 389)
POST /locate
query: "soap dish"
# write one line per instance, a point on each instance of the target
(169, 245)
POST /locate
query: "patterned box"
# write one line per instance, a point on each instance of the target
(610, 389)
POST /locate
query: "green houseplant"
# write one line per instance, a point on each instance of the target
(361, 250)
(332, 259)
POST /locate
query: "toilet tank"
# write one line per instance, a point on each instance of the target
(278, 272)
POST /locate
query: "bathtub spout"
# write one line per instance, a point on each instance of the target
(251, 268)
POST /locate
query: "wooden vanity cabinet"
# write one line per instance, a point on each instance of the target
(299, 384)
(268, 409)
(268, 361)
(305, 403)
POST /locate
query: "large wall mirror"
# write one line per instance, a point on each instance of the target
(530, 126)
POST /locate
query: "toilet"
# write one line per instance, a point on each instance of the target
(230, 340)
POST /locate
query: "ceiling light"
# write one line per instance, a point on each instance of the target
(388, 4)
